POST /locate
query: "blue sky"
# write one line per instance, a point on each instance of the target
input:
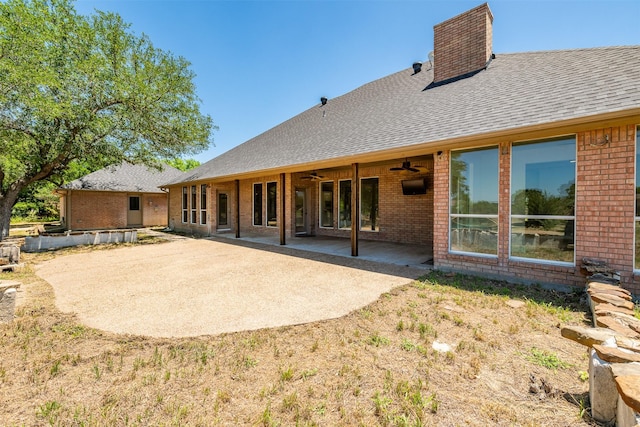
(259, 63)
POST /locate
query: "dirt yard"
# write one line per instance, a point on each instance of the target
(443, 350)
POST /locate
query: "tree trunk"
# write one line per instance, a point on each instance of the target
(7, 201)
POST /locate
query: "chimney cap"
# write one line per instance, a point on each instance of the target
(417, 66)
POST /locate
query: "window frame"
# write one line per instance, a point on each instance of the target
(203, 204)
(321, 204)
(271, 205)
(193, 204)
(494, 217)
(340, 211)
(513, 216)
(260, 217)
(185, 205)
(373, 229)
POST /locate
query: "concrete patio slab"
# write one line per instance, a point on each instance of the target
(192, 287)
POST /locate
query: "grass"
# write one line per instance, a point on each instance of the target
(375, 366)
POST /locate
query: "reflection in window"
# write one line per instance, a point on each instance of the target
(185, 199)
(223, 203)
(257, 204)
(369, 204)
(543, 176)
(326, 204)
(345, 204)
(203, 204)
(194, 198)
(272, 204)
(474, 201)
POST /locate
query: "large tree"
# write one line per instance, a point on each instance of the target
(76, 87)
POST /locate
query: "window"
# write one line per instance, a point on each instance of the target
(194, 213)
(636, 264)
(223, 209)
(345, 204)
(134, 203)
(473, 211)
(326, 204)
(203, 204)
(543, 177)
(185, 200)
(257, 204)
(272, 204)
(369, 204)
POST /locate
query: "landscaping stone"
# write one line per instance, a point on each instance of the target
(629, 389)
(513, 303)
(613, 300)
(603, 394)
(617, 326)
(8, 305)
(623, 369)
(625, 416)
(608, 308)
(616, 355)
(628, 343)
(587, 336)
(613, 292)
(607, 286)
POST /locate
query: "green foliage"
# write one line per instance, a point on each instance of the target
(182, 164)
(85, 92)
(546, 359)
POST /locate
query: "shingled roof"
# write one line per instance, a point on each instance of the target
(126, 177)
(515, 91)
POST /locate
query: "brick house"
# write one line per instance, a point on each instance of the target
(511, 165)
(116, 197)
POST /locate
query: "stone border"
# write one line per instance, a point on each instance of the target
(614, 354)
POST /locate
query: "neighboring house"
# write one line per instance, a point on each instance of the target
(116, 197)
(511, 165)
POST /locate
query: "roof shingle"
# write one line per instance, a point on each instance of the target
(515, 91)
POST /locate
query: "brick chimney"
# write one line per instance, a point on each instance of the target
(462, 45)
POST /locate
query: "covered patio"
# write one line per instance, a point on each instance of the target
(410, 255)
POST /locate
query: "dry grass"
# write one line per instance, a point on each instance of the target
(375, 366)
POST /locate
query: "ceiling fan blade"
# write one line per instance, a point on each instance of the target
(396, 169)
(413, 169)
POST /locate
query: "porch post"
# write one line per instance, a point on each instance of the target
(283, 209)
(355, 209)
(237, 208)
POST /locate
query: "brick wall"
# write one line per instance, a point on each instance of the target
(605, 206)
(97, 209)
(90, 210)
(154, 209)
(462, 44)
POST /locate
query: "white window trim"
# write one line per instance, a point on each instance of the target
(193, 210)
(203, 212)
(575, 203)
(488, 216)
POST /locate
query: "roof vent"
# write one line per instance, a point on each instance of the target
(417, 66)
(323, 100)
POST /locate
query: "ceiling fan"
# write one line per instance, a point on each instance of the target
(406, 166)
(313, 176)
